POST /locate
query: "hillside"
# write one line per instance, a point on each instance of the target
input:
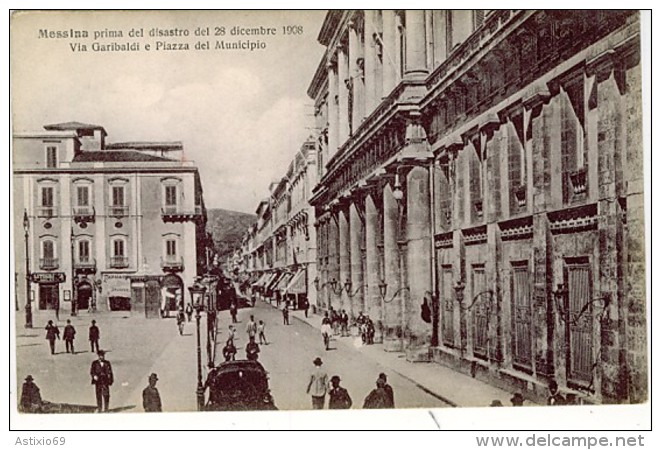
(227, 228)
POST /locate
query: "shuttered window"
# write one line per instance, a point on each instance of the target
(447, 305)
(480, 312)
(579, 322)
(521, 315)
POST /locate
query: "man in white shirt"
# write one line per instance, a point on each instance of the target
(318, 385)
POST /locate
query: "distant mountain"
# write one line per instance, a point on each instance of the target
(227, 228)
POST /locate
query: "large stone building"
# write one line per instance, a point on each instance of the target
(280, 248)
(481, 192)
(109, 226)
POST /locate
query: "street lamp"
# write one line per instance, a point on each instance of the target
(28, 299)
(197, 298)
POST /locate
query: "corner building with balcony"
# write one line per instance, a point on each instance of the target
(481, 192)
(109, 226)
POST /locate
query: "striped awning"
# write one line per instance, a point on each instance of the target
(283, 281)
(261, 280)
(297, 284)
(270, 282)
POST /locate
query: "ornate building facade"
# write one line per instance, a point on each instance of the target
(107, 226)
(280, 248)
(481, 192)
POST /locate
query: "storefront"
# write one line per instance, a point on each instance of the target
(118, 288)
(296, 291)
(49, 289)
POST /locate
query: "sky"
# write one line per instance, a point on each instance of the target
(242, 115)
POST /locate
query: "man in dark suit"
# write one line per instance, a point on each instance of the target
(151, 399)
(94, 337)
(102, 378)
(52, 332)
(69, 336)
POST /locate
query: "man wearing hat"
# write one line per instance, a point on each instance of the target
(94, 337)
(68, 336)
(151, 399)
(30, 397)
(52, 332)
(318, 385)
(517, 399)
(102, 378)
(338, 397)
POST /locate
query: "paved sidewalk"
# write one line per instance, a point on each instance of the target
(442, 382)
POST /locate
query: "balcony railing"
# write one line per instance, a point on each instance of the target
(88, 264)
(83, 214)
(118, 211)
(119, 262)
(176, 213)
(46, 211)
(48, 263)
(172, 263)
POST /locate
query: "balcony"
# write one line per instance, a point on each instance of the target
(46, 212)
(118, 211)
(176, 213)
(49, 263)
(83, 214)
(87, 265)
(119, 262)
(172, 263)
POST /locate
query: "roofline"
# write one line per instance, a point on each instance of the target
(45, 134)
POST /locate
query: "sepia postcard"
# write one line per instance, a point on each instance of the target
(274, 212)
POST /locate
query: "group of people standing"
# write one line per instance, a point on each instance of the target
(255, 330)
(338, 397)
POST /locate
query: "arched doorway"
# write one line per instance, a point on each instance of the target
(173, 290)
(83, 295)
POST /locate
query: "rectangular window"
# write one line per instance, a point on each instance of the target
(51, 157)
(170, 195)
(83, 195)
(84, 251)
(47, 197)
(118, 195)
(48, 250)
(447, 305)
(171, 248)
(579, 323)
(480, 299)
(118, 248)
(521, 316)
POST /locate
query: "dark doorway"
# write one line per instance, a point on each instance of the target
(120, 304)
(49, 296)
(84, 295)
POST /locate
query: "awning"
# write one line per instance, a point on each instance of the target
(271, 282)
(297, 284)
(284, 281)
(261, 280)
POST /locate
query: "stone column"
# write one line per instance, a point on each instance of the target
(356, 74)
(392, 339)
(356, 239)
(343, 94)
(389, 51)
(415, 65)
(369, 62)
(418, 228)
(373, 297)
(344, 257)
(333, 124)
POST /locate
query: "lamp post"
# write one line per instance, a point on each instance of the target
(28, 299)
(197, 296)
(74, 295)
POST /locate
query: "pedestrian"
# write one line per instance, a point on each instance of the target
(233, 312)
(68, 336)
(335, 321)
(189, 311)
(338, 397)
(260, 332)
(102, 379)
(344, 323)
(251, 328)
(181, 322)
(369, 330)
(229, 351)
(517, 399)
(252, 350)
(306, 307)
(94, 336)
(318, 385)
(285, 314)
(151, 399)
(231, 333)
(377, 398)
(388, 389)
(325, 319)
(52, 333)
(326, 332)
(555, 398)
(30, 397)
